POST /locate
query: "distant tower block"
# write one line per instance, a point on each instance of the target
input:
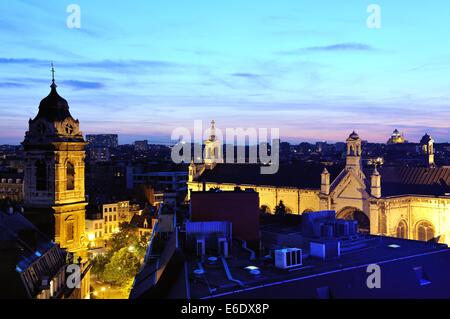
(427, 149)
(213, 148)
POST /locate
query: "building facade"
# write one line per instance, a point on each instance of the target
(407, 202)
(11, 188)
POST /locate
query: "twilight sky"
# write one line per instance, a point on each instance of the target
(310, 68)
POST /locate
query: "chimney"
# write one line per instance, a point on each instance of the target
(375, 188)
(325, 182)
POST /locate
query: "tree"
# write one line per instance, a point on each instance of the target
(122, 268)
(280, 209)
(123, 257)
(99, 263)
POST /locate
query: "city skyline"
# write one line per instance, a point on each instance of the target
(311, 70)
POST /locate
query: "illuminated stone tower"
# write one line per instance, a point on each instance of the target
(213, 148)
(54, 192)
(427, 149)
(353, 160)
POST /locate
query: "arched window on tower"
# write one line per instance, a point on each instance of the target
(402, 230)
(70, 171)
(41, 176)
(425, 231)
(352, 151)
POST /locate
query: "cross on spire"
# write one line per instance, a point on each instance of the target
(53, 73)
(53, 86)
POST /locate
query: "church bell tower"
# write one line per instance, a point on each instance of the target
(54, 190)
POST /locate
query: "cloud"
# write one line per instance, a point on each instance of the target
(122, 64)
(255, 78)
(246, 75)
(83, 85)
(339, 47)
(34, 62)
(11, 85)
(102, 64)
(342, 47)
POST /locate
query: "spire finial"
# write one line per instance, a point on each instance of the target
(53, 86)
(53, 73)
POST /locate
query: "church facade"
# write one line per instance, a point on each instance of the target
(407, 202)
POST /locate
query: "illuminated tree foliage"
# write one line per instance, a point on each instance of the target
(123, 266)
(123, 258)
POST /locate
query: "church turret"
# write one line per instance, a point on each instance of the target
(427, 150)
(375, 184)
(213, 148)
(353, 160)
(192, 171)
(325, 182)
(54, 188)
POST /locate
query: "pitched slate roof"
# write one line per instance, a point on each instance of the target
(300, 175)
(394, 180)
(415, 181)
(22, 245)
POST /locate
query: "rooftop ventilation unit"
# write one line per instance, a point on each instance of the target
(325, 249)
(222, 246)
(288, 258)
(200, 247)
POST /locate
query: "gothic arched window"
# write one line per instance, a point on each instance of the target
(425, 231)
(41, 176)
(70, 171)
(402, 230)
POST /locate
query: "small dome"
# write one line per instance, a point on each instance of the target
(353, 136)
(53, 107)
(426, 139)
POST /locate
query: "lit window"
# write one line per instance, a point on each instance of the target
(425, 231)
(402, 230)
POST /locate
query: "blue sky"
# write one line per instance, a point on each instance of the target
(311, 68)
